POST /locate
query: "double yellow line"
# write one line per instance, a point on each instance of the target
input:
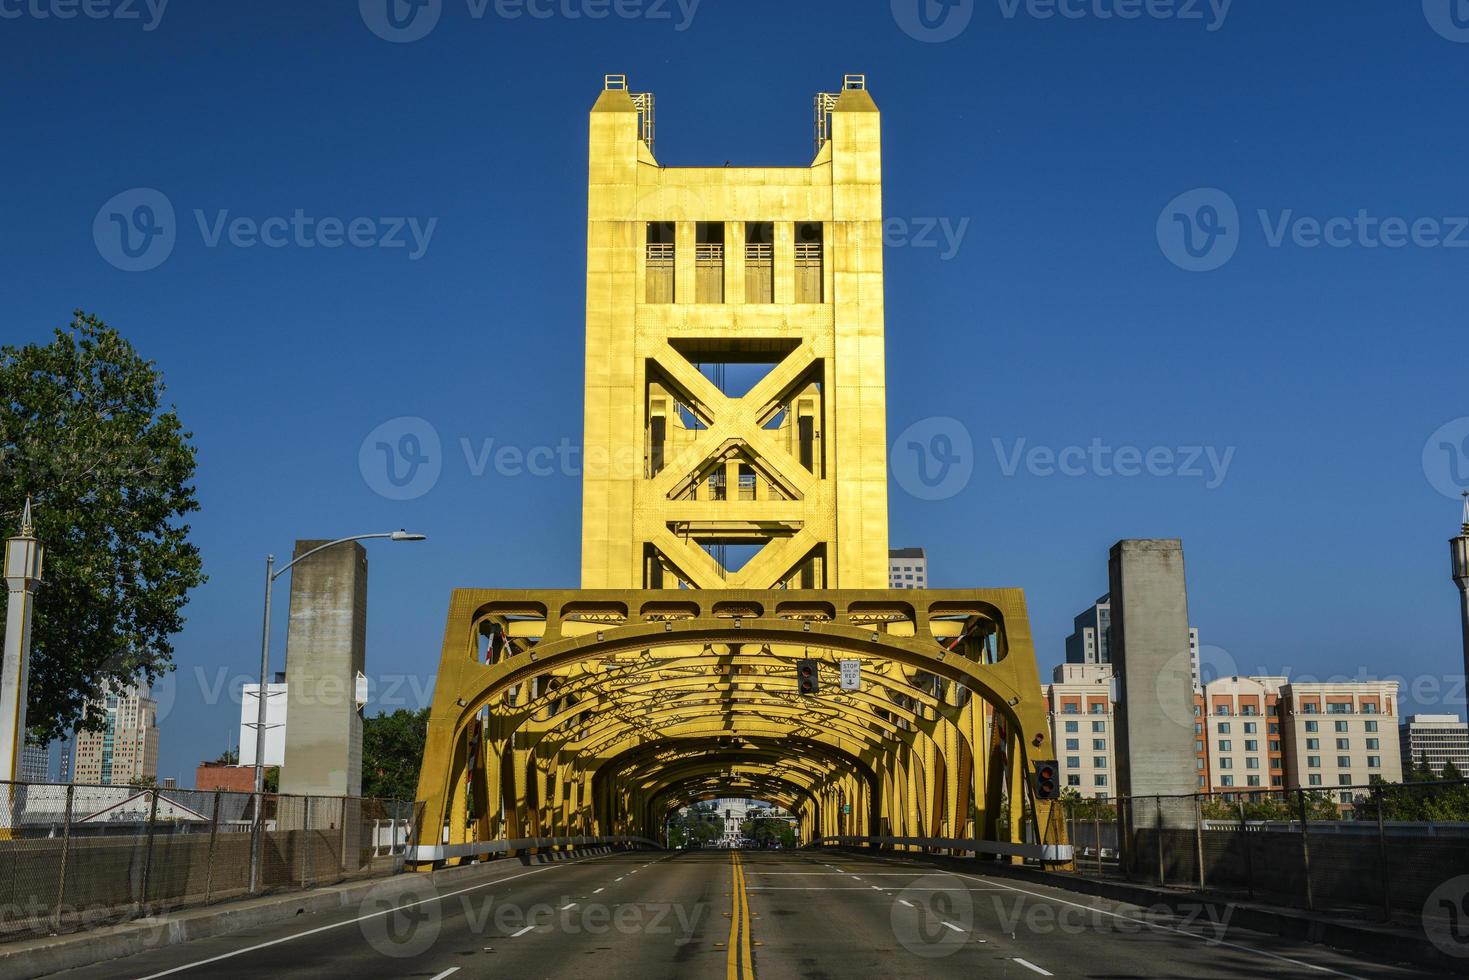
(738, 962)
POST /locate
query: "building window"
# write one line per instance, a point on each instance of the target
(1372, 743)
(1099, 744)
(1342, 726)
(1313, 726)
(1251, 727)
(759, 262)
(1221, 709)
(1371, 726)
(1343, 761)
(1226, 763)
(1198, 763)
(1252, 763)
(808, 262)
(1224, 728)
(1273, 728)
(1313, 762)
(660, 271)
(1369, 709)
(1252, 780)
(1073, 780)
(1275, 745)
(1251, 745)
(1345, 779)
(1309, 709)
(1198, 745)
(1226, 780)
(1343, 743)
(709, 262)
(1100, 779)
(1071, 726)
(1226, 745)
(1277, 780)
(1099, 726)
(1314, 779)
(1073, 744)
(1070, 709)
(1073, 762)
(1374, 762)
(1337, 708)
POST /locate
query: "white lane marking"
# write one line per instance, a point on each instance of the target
(616, 879)
(1030, 966)
(855, 877)
(441, 976)
(568, 905)
(904, 901)
(598, 891)
(874, 888)
(957, 929)
(360, 918)
(522, 932)
(1181, 932)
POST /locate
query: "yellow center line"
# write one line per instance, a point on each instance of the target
(739, 964)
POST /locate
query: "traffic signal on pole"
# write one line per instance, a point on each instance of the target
(806, 676)
(1046, 785)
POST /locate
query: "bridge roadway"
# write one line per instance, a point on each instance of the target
(770, 914)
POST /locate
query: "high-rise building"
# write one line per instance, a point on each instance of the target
(1340, 734)
(35, 763)
(1435, 739)
(907, 568)
(125, 751)
(1089, 642)
(1079, 703)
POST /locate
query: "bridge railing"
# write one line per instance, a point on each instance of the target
(1382, 849)
(80, 856)
(958, 847)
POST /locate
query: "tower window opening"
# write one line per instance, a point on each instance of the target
(760, 262)
(660, 272)
(709, 262)
(809, 281)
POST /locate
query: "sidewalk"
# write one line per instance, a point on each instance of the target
(29, 958)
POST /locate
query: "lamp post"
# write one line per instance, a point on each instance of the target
(1459, 555)
(271, 574)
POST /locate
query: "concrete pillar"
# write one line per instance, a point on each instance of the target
(23, 557)
(1150, 658)
(326, 647)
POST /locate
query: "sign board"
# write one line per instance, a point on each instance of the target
(361, 690)
(851, 675)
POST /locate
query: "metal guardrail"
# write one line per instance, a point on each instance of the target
(426, 853)
(1048, 853)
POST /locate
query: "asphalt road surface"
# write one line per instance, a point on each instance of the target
(768, 914)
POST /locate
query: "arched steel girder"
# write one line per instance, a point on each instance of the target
(898, 630)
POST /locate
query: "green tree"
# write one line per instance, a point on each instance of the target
(84, 431)
(762, 831)
(695, 826)
(392, 752)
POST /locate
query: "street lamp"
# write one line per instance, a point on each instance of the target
(271, 574)
(1459, 556)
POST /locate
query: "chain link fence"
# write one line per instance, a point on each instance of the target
(1384, 850)
(78, 856)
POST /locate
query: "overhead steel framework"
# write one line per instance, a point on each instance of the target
(670, 678)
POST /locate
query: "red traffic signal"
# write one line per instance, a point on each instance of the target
(1047, 785)
(806, 677)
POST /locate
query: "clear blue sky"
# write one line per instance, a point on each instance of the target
(1060, 317)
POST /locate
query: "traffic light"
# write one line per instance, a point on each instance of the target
(806, 676)
(1046, 786)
